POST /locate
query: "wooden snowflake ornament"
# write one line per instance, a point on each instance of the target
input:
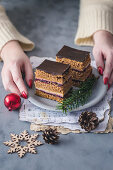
(15, 143)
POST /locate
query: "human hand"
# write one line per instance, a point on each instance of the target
(15, 62)
(103, 54)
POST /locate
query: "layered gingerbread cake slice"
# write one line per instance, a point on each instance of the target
(79, 62)
(53, 80)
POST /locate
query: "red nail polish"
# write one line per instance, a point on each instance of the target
(105, 80)
(100, 70)
(24, 95)
(30, 83)
(108, 86)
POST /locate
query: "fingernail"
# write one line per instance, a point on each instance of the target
(30, 83)
(100, 70)
(108, 86)
(24, 95)
(105, 80)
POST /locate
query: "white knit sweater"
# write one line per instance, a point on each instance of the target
(8, 32)
(94, 15)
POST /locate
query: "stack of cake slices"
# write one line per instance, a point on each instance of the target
(53, 80)
(79, 62)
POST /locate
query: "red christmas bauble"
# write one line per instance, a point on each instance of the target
(12, 101)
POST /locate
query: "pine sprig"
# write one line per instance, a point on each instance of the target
(79, 96)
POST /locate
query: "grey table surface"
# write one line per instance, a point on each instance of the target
(50, 24)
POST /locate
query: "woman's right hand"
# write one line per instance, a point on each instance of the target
(16, 62)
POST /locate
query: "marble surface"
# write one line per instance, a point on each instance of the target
(50, 24)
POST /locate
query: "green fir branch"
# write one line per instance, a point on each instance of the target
(79, 96)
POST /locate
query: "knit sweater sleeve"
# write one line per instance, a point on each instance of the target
(8, 32)
(94, 15)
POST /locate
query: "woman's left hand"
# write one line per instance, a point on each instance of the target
(103, 54)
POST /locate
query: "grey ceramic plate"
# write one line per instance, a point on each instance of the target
(98, 93)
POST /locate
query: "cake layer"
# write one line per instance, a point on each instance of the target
(73, 54)
(39, 74)
(78, 82)
(54, 88)
(52, 82)
(80, 66)
(81, 75)
(49, 96)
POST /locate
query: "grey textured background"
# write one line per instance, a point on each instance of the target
(50, 24)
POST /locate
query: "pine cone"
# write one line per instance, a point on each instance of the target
(88, 121)
(50, 136)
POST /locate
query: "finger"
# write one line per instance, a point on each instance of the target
(17, 78)
(99, 61)
(11, 85)
(8, 83)
(28, 74)
(111, 79)
(3, 81)
(108, 69)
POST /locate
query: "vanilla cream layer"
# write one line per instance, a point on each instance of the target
(47, 91)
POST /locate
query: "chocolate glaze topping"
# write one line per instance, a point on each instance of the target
(73, 54)
(53, 67)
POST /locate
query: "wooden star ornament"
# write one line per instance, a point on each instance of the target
(15, 143)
